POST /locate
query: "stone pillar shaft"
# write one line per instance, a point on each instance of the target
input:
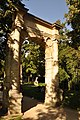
(51, 70)
(12, 95)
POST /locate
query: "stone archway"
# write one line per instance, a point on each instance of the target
(46, 34)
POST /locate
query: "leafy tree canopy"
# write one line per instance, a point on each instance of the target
(7, 8)
(69, 48)
(73, 19)
(32, 59)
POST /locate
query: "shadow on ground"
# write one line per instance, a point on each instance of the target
(28, 103)
(42, 112)
(34, 110)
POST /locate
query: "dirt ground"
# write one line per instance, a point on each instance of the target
(38, 111)
(34, 110)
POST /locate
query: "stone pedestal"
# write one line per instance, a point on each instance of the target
(14, 102)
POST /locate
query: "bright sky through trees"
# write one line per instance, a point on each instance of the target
(49, 10)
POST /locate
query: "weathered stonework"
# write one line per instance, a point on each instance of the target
(51, 69)
(46, 34)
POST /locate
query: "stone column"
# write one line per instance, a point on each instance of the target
(14, 93)
(12, 96)
(51, 69)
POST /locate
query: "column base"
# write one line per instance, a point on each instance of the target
(14, 102)
(54, 99)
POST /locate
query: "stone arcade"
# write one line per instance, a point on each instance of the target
(26, 25)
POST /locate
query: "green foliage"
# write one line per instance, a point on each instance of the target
(69, 64)
(32, 59)
(72, 99)
(69, 56)
(73, 18)
(7, 9)
(69, 48)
